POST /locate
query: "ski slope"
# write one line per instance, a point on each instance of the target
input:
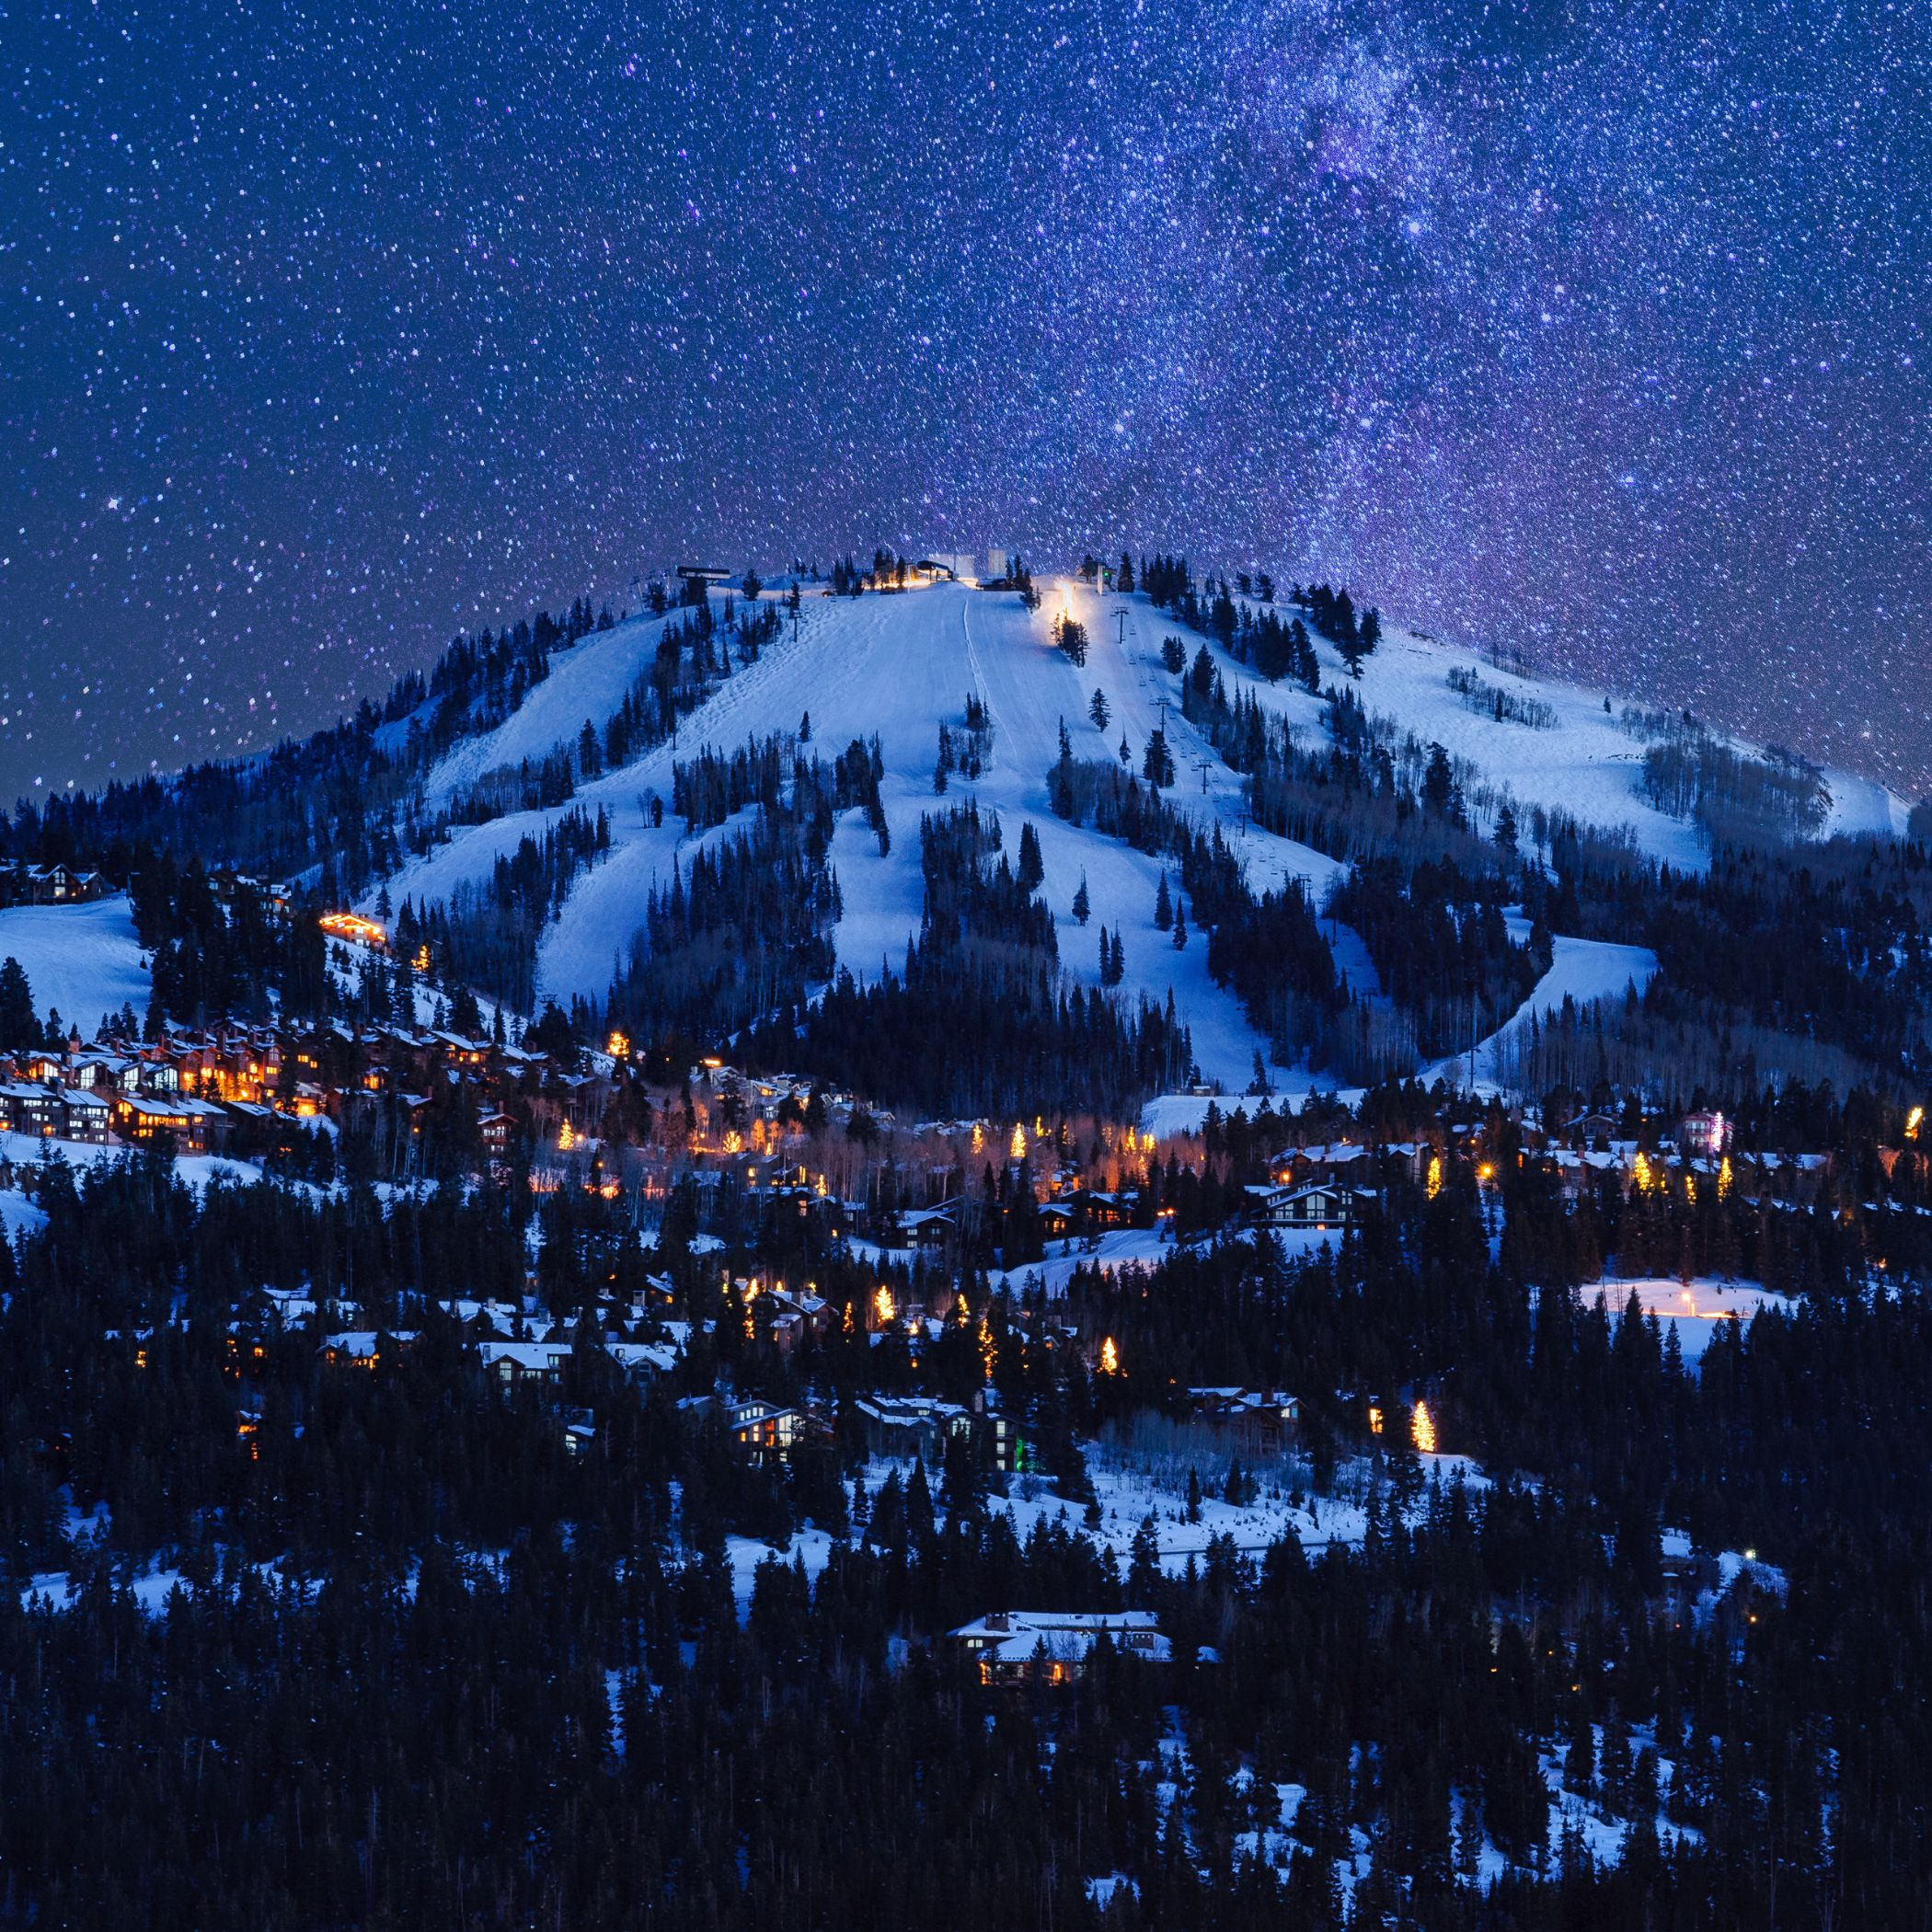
(1580, 970)
(81, 960)
(900, 665)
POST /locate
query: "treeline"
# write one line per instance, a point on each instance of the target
(1441, 947)
(326, 804)
(1737, 799)
(486, 935)
(390, 1673)
(981, 1020)
(1275, 648)
(744, 927)
(1832, 951)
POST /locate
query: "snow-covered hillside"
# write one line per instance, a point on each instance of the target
(899, 666)
(81, 960)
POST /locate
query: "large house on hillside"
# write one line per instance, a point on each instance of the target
(1322, 1205)
(1053, 1646)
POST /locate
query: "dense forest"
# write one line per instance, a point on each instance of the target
(298, 1642)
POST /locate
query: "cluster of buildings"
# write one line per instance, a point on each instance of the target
(201, 1090)
(22, 883)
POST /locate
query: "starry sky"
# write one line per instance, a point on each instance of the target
(329, 330)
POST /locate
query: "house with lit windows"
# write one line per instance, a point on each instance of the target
(1055, 1647)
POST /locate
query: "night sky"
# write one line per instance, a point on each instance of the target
(327, 332)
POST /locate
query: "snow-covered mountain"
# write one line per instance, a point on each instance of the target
(900, 666)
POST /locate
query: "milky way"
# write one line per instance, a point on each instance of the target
(326, 333)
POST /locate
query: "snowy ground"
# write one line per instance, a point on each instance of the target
(1581, 971)
(1694, 1309)
(83, 960)
(1133, 1488)
(1121, 1247)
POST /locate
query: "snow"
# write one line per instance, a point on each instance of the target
(1123, 1247)
(744, 1554)
(1586, 765)
(19, 1216)
(1861, 805)
(1693, 1308)
(898, 666)
(196, 1170)
(83, 960)
(1580, 970)
(590, 680)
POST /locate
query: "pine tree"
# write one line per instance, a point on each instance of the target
(1163, 905)
(1032, 868)
(1082, 905)
(18, 1026)
(1097, 711)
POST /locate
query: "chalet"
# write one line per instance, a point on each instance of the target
(50, 885)
(453, 1049)
(1294, 1165)
(32, 1109)
(1051, 1646)
(927, 1227)
(1057, 1218)
(761, 1429)
(1256, 1421)
(643, 1361)
(1707, 1134)
(921, 1426)
(354, 928)
(87, 1114)
(362, 1348)
(1320, 1205)
(515, 1363)
(149, 1117)
(497, 1129)
(1115, 1208)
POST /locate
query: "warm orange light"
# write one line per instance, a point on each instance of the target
(1017, 1147)
(1914, 1121)
(883, 1306)
(1109, 1358)
(618, 1045)
(1421, 1429)
(1433, 1185)
(1374, 1419)
(352, 926)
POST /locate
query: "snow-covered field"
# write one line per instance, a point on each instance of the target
(1694, 1309)
(83, 960)
(1123, 1247)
